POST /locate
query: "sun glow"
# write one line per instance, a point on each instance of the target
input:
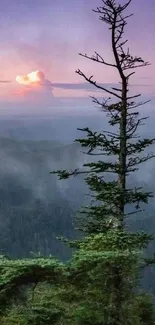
(28, 79)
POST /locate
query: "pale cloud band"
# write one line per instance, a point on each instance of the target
(37, 78)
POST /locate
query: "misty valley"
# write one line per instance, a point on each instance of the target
(77, 163)
(36, 207)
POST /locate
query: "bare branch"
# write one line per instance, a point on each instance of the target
(136, 66)
(98, 59)
(135, 96)
(95, 84)
(134, 127)
(96, 101)
(94, 154)
(135, 105)
(121, 44)
(117, 89)
(133, 212)
(130, 74)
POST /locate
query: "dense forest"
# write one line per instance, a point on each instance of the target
(34, 206)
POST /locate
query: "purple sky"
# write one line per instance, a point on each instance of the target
(47, 35)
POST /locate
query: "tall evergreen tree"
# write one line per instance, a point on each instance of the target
(124, 145)
(109, 210)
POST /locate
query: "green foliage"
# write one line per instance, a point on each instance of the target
(14, 274)
(144, 309)
(41, 307)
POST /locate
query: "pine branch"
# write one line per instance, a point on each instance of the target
(137, 160)
(139, 146)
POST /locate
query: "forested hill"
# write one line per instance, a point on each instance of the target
(34, 205)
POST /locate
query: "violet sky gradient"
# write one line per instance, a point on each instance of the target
(47, 35)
